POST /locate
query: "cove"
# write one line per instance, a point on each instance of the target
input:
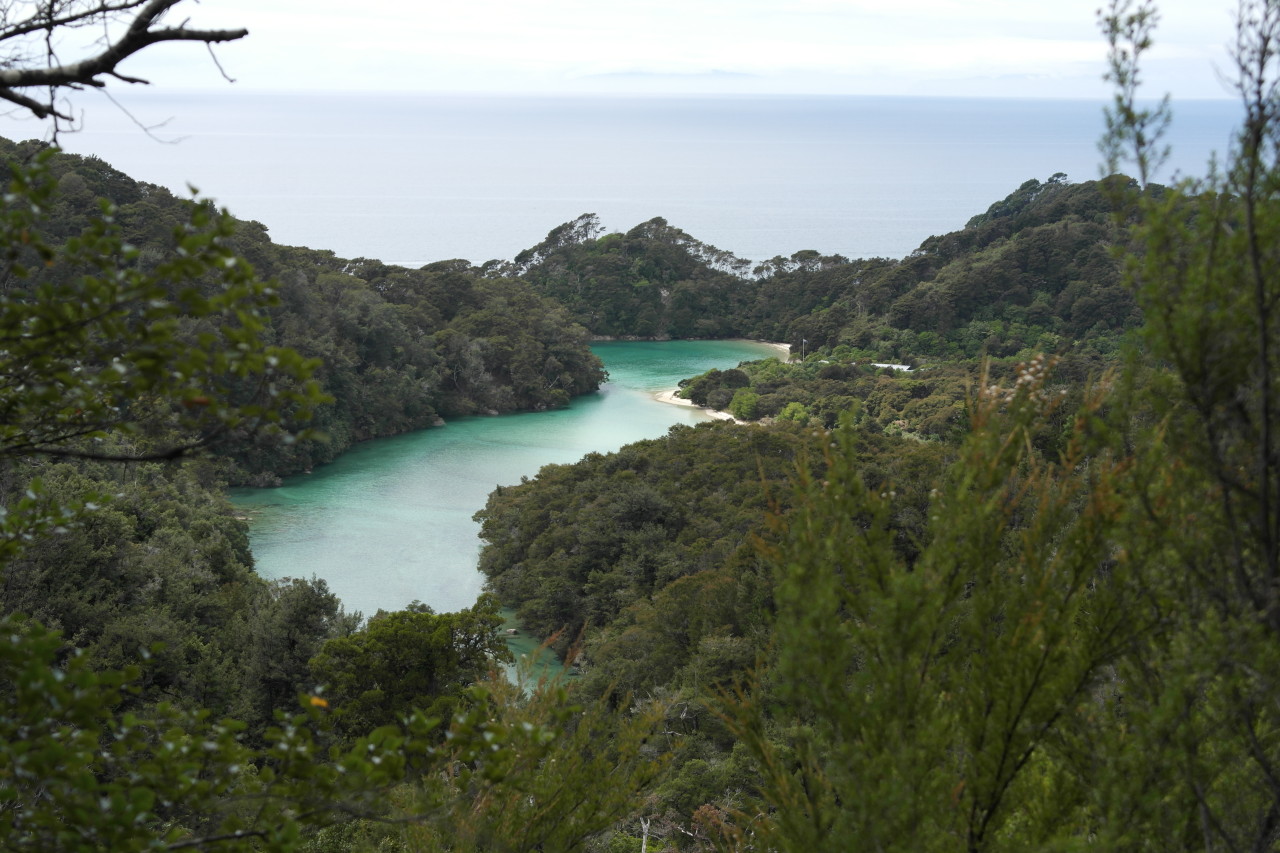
(389, 522)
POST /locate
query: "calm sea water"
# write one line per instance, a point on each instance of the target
(390, 521)
(412, 179)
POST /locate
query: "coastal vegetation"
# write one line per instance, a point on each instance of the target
(993, 565)
(1031, 274)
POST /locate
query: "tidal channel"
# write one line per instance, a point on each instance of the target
(390, 521)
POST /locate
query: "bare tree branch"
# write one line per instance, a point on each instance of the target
(23, 67)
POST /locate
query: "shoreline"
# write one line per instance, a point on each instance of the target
(670, 397)
(783, 349)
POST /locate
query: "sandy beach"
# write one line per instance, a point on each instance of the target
(670, 397)
(784, 352)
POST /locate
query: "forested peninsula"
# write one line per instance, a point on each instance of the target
(992, 562)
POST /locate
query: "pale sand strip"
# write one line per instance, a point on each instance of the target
(670, 397)
(784, 351)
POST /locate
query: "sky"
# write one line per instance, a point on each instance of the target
(979, 48)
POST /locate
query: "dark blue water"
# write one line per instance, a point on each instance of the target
(412, 178)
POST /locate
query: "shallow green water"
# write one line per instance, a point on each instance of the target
(390, 521)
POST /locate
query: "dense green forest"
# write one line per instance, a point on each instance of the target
(394, 349)
(1022, 595)
(1033, 273)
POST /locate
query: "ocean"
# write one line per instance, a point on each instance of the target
(411, 179)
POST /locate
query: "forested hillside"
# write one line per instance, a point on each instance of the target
(1033, 273)
(141, 307)
(395, 349)
(160, 569)
(996, 566)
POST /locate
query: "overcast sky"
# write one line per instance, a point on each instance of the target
(891, 47)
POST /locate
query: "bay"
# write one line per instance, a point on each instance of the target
(389, 522)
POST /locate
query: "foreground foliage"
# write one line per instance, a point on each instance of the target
(1084, 654)
(510, 774)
